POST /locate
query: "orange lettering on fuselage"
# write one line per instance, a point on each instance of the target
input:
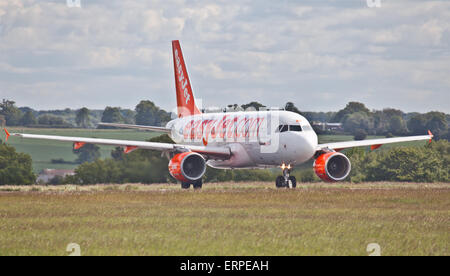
(225, 128)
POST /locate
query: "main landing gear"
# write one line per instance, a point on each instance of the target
(196, 184)
(286, 180)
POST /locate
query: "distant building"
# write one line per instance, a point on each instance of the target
(328, 126)
(48, 174)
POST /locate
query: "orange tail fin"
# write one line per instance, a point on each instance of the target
(185, 97)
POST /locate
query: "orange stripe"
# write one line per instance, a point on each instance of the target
(78, 145)
(129, 149)
(7, 134)
(374, 147)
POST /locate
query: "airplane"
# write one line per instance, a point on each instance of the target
(235, 140)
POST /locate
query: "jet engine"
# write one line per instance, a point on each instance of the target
(332, 166)
(187, 166)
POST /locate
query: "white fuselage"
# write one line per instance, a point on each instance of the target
(256, 139)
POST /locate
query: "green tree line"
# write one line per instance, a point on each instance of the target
(355, 117)
(15, 167)
(145, 113)
(429, 163)
(358, 120)
(411, 164)
(405, 164)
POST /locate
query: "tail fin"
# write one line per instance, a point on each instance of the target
(185, 96)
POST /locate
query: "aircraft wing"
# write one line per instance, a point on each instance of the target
(373, 143)
(208, 151)
(151, 128)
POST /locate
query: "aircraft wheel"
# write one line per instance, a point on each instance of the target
(279, 182)
(293, 182)
(198, 184)
(185, 185)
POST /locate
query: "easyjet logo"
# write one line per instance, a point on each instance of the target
(227, 127)
(182, 80)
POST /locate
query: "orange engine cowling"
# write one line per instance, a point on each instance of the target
(187, 166)
(332, 166)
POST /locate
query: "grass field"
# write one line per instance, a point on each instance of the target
(226, 219)
(42, 152)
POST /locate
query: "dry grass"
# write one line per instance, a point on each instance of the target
(226, 219)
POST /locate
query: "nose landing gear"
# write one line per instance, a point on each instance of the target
(286, 180)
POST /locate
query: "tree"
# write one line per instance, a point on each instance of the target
(383, 122)
(436, 122)
(390, 112)
(360, 134)
(129, 116)
(117, 154)
(15, 168)
(87, 153)
(415, 164)
(397, 125)
(319, 116)
(255, 105)
(380, 124)
(147, 113)
(12, 114)
(111, 115)
(291, 107)
(357, 120)
(350, 108)
(407, 164)
(82, 118)
(28, 119)
(140, 166)
(416, 124)
(234, 107)
(99, 171)
(52, 120)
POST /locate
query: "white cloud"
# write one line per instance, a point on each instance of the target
(317, 54)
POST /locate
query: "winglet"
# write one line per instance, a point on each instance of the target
(431, 136)
(7, 134)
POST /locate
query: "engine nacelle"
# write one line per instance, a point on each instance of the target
(187, 166)
(332, 166)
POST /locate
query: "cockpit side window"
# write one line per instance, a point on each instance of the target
(307, 128)
(295, 128)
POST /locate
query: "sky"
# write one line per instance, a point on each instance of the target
(319, 54)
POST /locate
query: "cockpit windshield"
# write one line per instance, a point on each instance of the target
(284, 128)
